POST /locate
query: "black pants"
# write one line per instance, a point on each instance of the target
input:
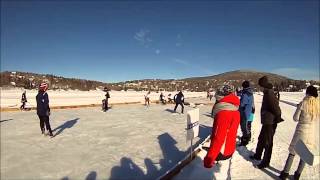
(44, 120)
(182, 107)
(246, 131)
(265, 142)
(106, 105)
(23, 105)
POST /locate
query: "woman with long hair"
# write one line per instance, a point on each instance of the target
(307, 130)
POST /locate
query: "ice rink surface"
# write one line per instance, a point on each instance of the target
(127, 141)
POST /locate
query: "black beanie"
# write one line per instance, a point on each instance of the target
(312, 91)
(246, 84)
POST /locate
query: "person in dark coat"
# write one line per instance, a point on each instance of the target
(23, 100)
(106, 101)
(245, 109)
(43, 109)
(163, 101)
(270, 116)
(170, 99)
(179, 100)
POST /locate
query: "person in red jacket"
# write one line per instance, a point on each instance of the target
(226, 122)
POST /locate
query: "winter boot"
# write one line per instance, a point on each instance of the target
(262, 165)
(254, 157)
(283, 175)
(296, 175)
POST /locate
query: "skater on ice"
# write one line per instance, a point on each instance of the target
(211, 94)
(179, 100)
(105, 102)
(162, 98)
(147, 99)
(307, 130)
(23, 100)
(225, 125)
(170, 100)
(43, 109)
(270, 117)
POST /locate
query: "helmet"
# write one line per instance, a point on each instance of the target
(43, 86)
(225, 90)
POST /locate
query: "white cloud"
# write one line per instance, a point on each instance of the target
(180, 61)
(143, 36)
(298, 73)
(157, 51)
(178, 39)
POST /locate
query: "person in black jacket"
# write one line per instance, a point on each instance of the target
(106, 102)
(179, 100)
(43, 109)
(270, 116)
(163, 101)
(23, 100)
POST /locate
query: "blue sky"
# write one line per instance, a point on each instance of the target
(115, 41)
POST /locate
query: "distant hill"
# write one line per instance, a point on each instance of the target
(237, 77)
(32, 80)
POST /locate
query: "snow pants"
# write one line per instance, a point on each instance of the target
(44, 121)
(265, 142)
(245, 129)
(289, 162)
(23, 106)
(182, 107)
(106, 103)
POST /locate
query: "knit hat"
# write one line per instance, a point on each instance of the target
(312, 91)
(246, 84)
(43, 86)
(225, 90)
(264, 82)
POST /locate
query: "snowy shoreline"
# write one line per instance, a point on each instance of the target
(10, 98)
(129, 142)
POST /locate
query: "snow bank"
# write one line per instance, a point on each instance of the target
(10, 98)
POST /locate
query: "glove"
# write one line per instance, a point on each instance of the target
(208, 162)
(48, 112)
(278, 119)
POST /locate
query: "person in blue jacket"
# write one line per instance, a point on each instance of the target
(246, 109)
(43, 109)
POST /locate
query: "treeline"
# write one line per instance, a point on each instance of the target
(32, 80)
(235, 78)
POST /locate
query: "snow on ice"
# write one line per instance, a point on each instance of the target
(128, 142)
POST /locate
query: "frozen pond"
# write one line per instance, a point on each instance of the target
(127, 141)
